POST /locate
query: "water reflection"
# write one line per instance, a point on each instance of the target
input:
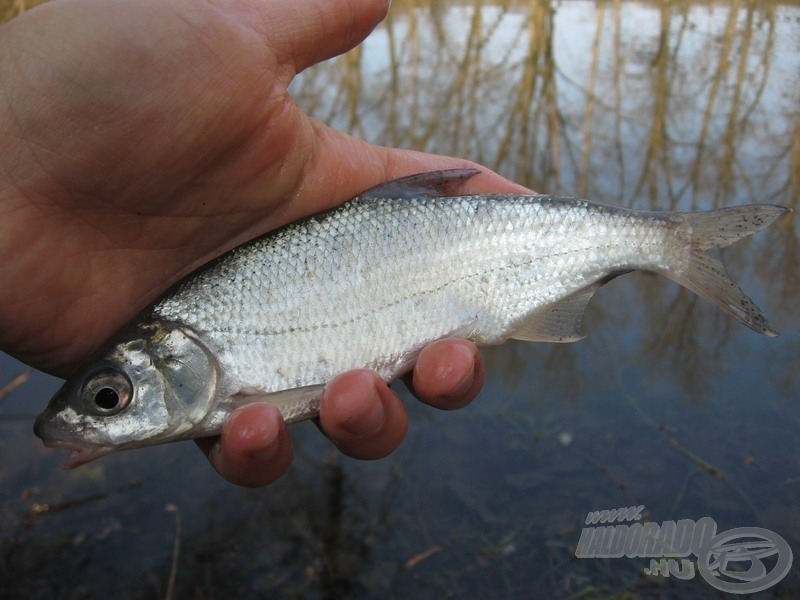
(667, 106)
(668, 403)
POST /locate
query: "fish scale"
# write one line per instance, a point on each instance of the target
(368, 285)
(459, 270)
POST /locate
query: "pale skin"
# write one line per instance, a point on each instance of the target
(141, 139)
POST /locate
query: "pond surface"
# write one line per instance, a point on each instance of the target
(668, 404)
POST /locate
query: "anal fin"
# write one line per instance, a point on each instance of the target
(560, 321)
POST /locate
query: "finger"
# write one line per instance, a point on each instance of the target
(448, 374)
(362, 416)
(254, 449)
(305, 32)
(341, 167)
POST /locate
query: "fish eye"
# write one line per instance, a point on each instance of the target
(107, 392)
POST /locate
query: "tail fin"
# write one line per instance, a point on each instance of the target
(707, 277)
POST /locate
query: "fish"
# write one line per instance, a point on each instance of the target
(368, 284)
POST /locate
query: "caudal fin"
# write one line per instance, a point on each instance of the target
(707, 277)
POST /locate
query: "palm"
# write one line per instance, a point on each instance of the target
(161, 134)
(142, 138)
(171, 148)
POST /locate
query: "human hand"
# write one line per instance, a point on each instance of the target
(361, 415)
(141, 139)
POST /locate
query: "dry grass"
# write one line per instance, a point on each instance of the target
(12, 8)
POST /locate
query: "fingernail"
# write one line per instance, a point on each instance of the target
(371, 418)
(267, 452)
(468, 377)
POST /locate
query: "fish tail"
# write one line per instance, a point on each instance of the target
(706, 276)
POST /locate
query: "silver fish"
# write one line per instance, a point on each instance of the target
(368, 285)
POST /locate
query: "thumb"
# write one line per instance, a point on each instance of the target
(305, 32)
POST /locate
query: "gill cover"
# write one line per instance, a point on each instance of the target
(152, 383)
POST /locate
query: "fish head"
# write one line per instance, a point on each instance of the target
(150, 385)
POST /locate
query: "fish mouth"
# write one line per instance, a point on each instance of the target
(80, 453)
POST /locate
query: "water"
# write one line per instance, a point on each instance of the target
(667, 404)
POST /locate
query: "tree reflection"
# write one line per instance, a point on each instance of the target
(678, 106)
(657, 105)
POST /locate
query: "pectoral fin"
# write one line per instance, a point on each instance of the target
(295, 404)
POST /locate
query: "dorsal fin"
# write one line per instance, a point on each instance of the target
(561, 321)
(432, 184)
